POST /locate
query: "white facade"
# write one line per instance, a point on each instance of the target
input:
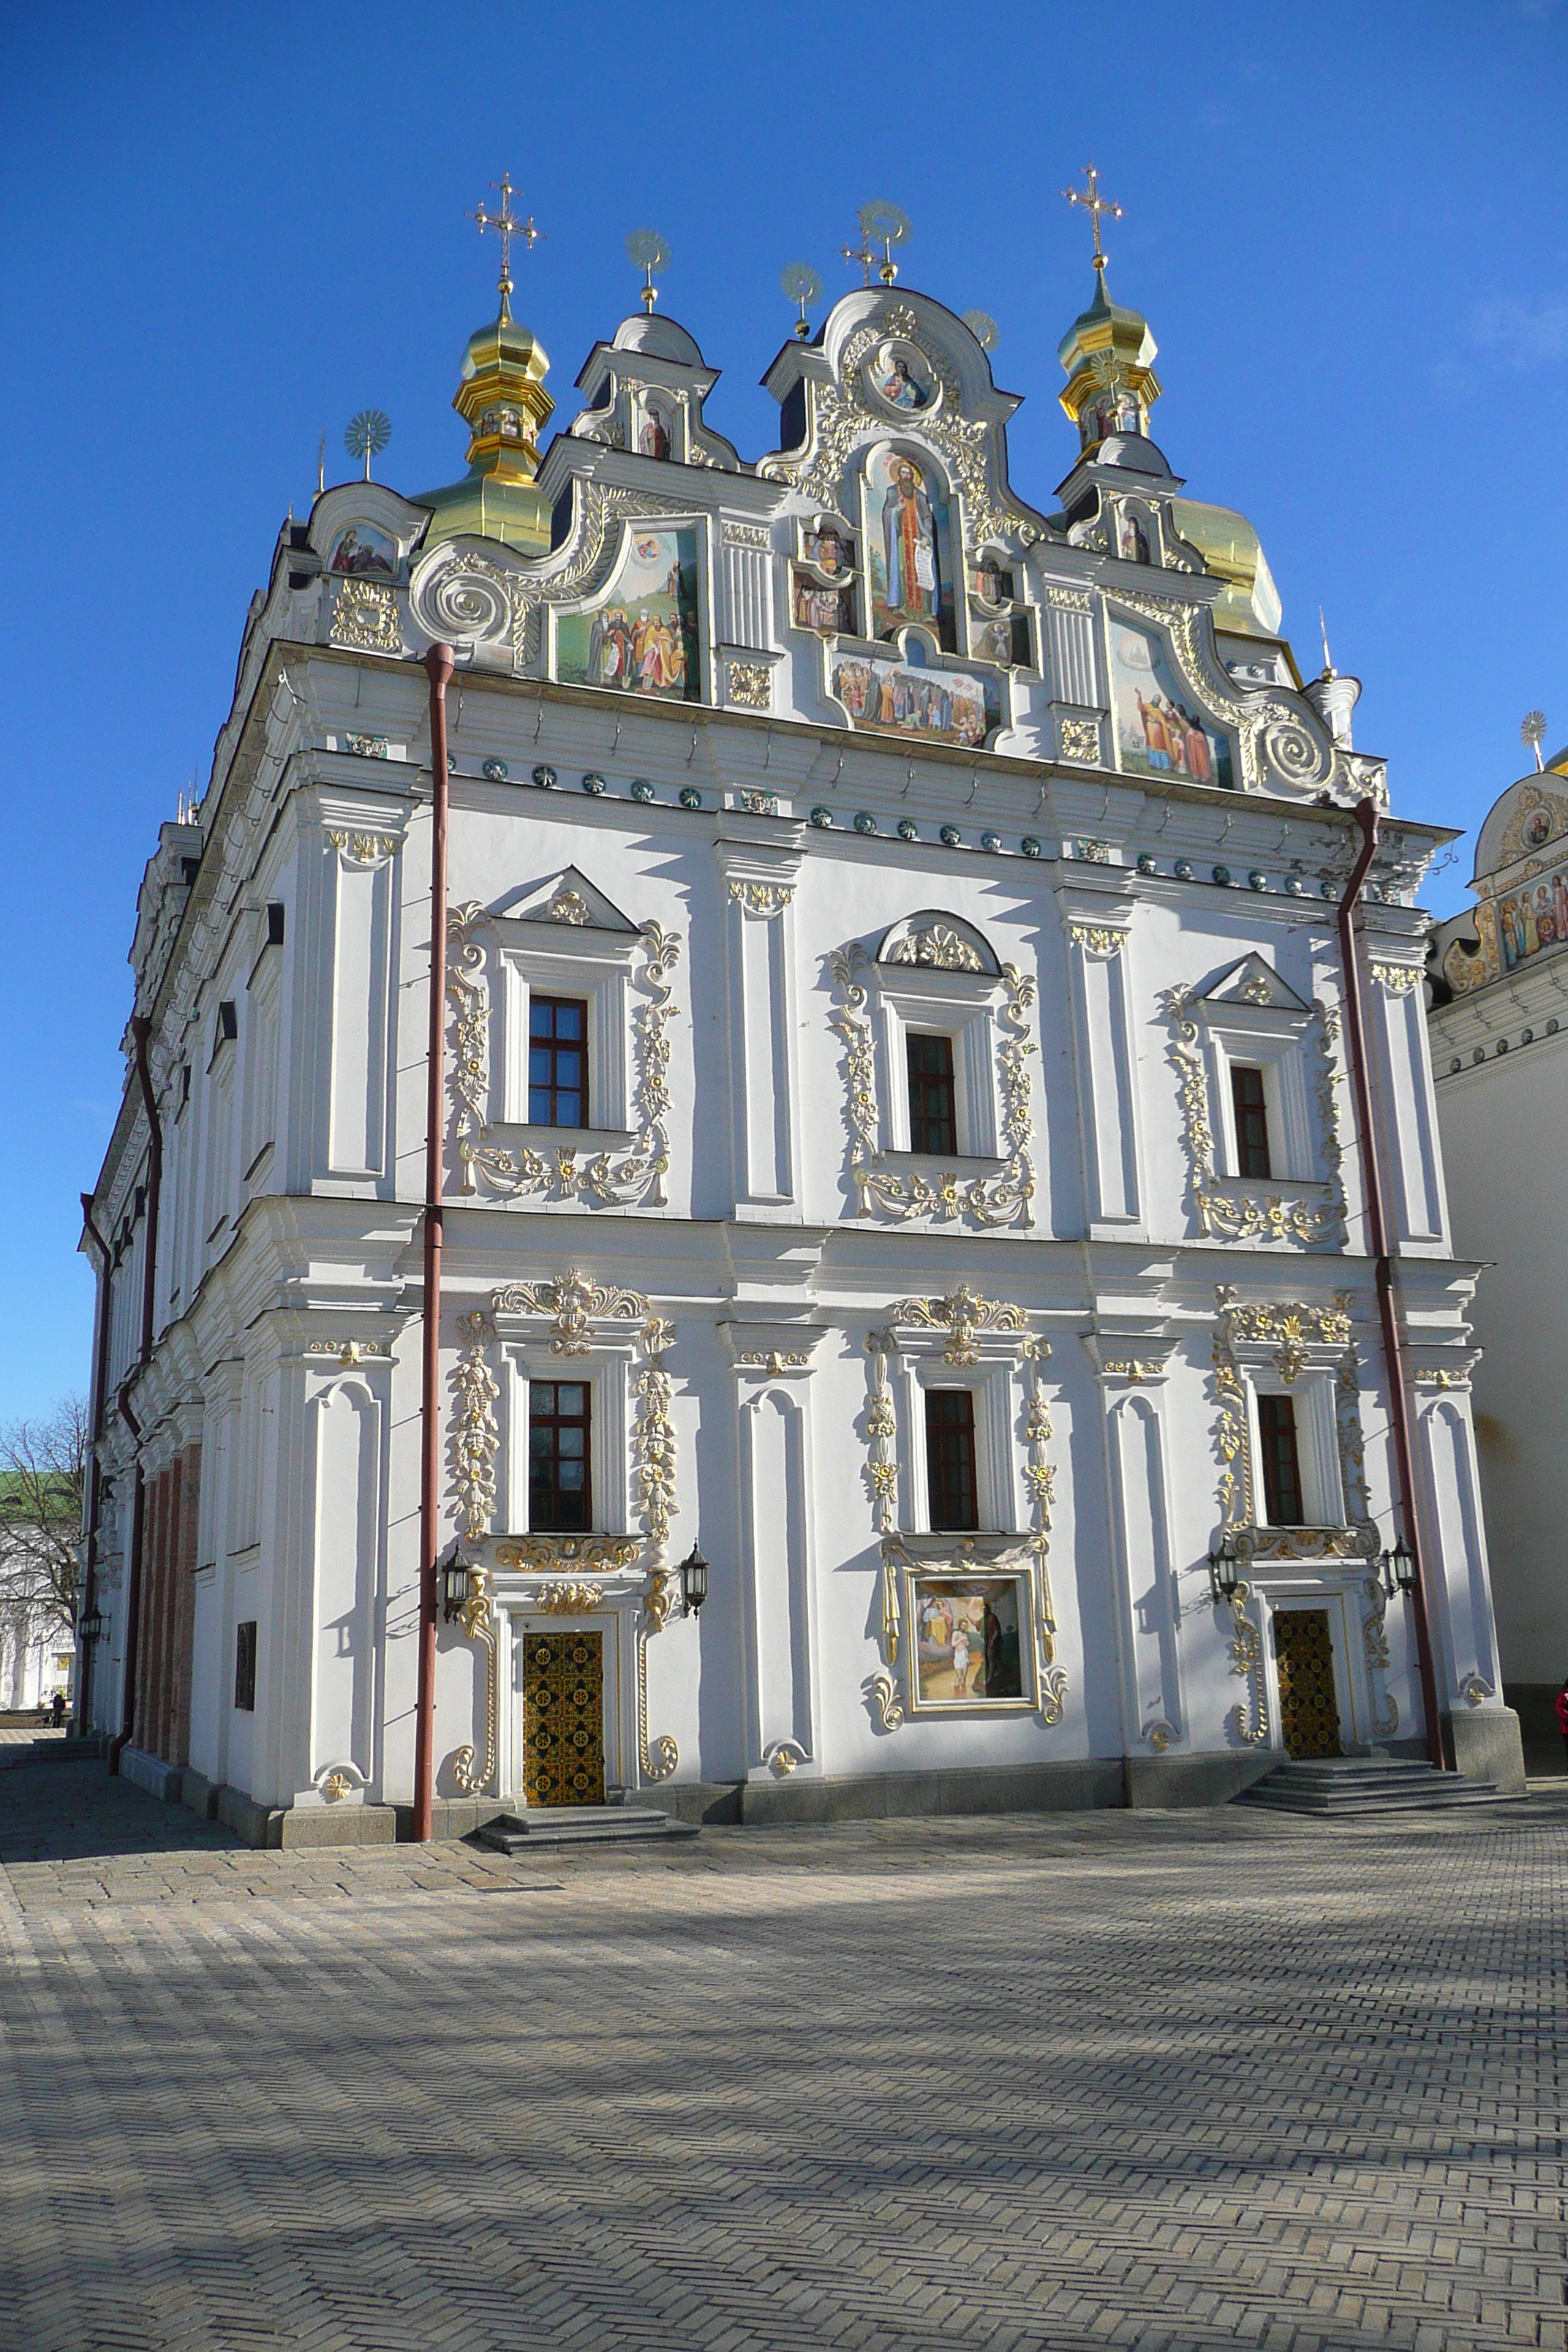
(1500, 1059)
(760, 889)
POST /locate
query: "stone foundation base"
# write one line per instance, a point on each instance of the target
(1484, 1743)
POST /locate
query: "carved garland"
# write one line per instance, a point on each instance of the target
(962, 1315)
(637, 1176)
(1232, 1216)
(994, 1203)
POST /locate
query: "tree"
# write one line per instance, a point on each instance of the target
(43, 1478)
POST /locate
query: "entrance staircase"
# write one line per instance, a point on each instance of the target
(551, 1825)
(1361, 1787)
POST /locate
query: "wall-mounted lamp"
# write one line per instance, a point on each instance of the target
(694, 1580)
(1225, 1568)
(1399, 1570)
(454, 1578)
(90, 1625)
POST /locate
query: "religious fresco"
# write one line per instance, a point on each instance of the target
(654, 433)
(1532, 915)
(361, 549)
(829, 549)
(948, 706)
(969, 1640)
(1132, 539)
(990, 582)
(996, 641)
(829, 610)
(643, 638)
(1159, 728)
(901, 379)
(907, 521)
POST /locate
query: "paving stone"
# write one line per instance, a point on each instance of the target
(1172, 2082)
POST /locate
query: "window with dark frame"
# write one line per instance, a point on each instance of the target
(950, 1461)
(557, 1062)
(1251, 1107)
(560, 1492)
(933, 1125)
(1281, 1462)
(244, 1665)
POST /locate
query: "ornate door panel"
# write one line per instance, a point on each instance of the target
(562, 1719)
(1308, 1710)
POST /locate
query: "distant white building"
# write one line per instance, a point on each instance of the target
(898, 1130)
(1499, 1056)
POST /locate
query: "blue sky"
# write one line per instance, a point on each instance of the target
(228, 228)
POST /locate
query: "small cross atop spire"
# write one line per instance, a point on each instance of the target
(507, 222)
(1094, 204)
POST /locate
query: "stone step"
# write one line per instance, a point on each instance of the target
(549, 1825)
(1362, 1787)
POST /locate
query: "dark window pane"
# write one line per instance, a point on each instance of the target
(557, 1062)
(932, 1124)
(1281, 1462)
(1251, 1106)
(950, 1459)
(559, 1491)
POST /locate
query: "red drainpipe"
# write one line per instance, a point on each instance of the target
(1387, 1308)
(141, 1032)
(439, 663)
(99, 1379)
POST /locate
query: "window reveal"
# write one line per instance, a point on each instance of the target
(557, 1062)
(1251, 1107)
(244, 1665)
(933, 1125)
(1281, 1462)
(950, 1461)
(559, 1495)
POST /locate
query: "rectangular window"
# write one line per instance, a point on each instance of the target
(950, 1460)
(1251, 1121)
(557, 1062)
(1282, 1463)
(560, 1498)
(244, 1665)
(932, 1124)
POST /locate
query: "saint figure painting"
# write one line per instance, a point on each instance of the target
(642, 639)
(1159, 730)
(907, 526)
(968, 1640)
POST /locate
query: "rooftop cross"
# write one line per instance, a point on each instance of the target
(508, 226)
(1094, 203)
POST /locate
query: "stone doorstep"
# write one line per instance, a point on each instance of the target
(553, 1825)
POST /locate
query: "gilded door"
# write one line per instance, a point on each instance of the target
(562, 1719)
(1310, 1713)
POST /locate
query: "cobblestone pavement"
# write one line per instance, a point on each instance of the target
(1172, 2081)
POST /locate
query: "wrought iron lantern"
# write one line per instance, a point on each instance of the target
(1225, 1568)
(454, 1577)
(694, 1580)
(1399, 1570)
(90, 1625)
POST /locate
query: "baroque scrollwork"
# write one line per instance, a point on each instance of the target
(635, 1177)
(573, 1304)
(964, 1316)
(1226, 1212)
(1374, 1640)
(593, 1555)
(939, 946)
(479, 1624)
(365, 617)
(1247, 1661)
(764, 898)
(996, 1200)
(1289, 1329)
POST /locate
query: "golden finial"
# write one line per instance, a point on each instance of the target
(1094, 204)
(800, 283)
(507, 224)
(1531, 729)
(1323, 633)
(647, 251)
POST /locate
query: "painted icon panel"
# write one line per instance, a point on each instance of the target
(908, 530)
(361, 548)
(643, 638)
(829, 610)
(1159, 728)
(969, 1640)
(952, 705)
(1531, 917)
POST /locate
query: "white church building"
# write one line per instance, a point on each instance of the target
(902, 1136)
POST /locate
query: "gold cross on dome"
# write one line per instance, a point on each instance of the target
(1094, 203)
(865, 256)
(507, 222)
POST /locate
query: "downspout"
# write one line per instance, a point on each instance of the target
(1382, 1265)
(141, 1032)
(99, 1379)
(439, 663)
